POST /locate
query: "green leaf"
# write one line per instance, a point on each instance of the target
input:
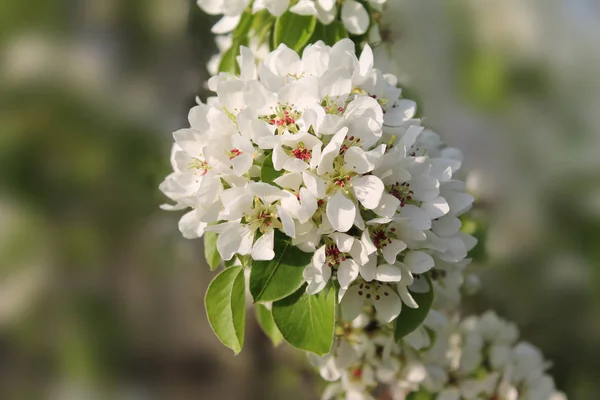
(261, 25)
(240, 38)
(226, 307)
(330, 34)
(420, 395)
(411, 318)
(268, 173)
(242, 29)
(278, 278)
(307, 321)
(265, 320)
(213, 258)
(294, 30)
(228, 60)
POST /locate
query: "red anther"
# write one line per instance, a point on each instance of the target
(374, 96)
(351, 138)
(272, 121)
(233, 153)
(302, 154)
(357, 140)
(340, 109)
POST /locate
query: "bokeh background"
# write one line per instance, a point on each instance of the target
(101, 297)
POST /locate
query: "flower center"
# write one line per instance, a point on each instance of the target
(333, 255)
(302, 152)
(402, 192)
(233, 153)
(284, 117)
(374, 290)
(331, 107)
(380, 238)
(202, 165)
(348, 142)
(263, 218)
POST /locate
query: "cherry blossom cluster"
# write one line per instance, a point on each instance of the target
(324, 149)
(473, 358)
(353, 14)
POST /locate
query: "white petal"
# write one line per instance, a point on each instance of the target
(387, 307)
(247, 65)
(368, 190)
(387, 206)
(342, 241)
(341, 212)
(388, 273)
(391, 250)
(347, 272)
(258, 97)
(317, 278)
(277, 7)
(355, 159)
(267, 193)
(359, 253)
(302, 93)
(304, 7)
(190, 226)
(331, 151)
(402, 111)
(279, 157)
(368, 271)
(235, 239)
(365, 239)
(263, 247)
(406, 296)
(316, 185)
(355, 17)
(289, 228)
(436, 208)
(336, 84)
(352, 303)
(226, 24)
(418, 218)
(231, 95)
(446, 226)
(289, 181)
(319, 257)
(418, 262)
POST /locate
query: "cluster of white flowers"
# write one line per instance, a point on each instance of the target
(478, 358)
(354, 15)
(321, 152)
(359, 182)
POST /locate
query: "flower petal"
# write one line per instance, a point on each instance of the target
(263, 247)
(418, 262)
(388, 273)
(368, 190)
(388, 306)
(355, 17)
(391, 250)
(341, 212)
(352, 303)
(347, 272)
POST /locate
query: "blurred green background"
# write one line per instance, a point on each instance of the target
(101, 297)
